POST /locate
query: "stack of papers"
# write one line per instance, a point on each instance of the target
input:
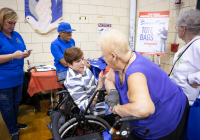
(40, 68)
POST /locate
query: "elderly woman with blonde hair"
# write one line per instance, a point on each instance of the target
(186, 71)
(12, 54)
(143, 89)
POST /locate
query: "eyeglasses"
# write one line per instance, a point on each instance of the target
(67, 33)
(103, 56)
(176, 27)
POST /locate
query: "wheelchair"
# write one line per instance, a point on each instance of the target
(70, 108)
(81, 125)
(87, 123)
(69, 131)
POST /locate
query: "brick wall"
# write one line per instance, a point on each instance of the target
(84, 16)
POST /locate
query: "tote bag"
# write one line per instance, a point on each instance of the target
(193, 126)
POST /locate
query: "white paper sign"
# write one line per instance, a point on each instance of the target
(152, 32)
(103, 27)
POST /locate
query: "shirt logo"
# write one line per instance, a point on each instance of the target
(18, 41)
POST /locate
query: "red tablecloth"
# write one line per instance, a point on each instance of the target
(43, 81)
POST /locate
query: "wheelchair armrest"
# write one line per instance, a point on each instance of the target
(63, 91)
(62, 82)
(133, 118)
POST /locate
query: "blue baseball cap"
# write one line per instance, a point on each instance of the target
(65, 27)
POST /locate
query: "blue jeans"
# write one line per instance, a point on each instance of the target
(9, 105)
(62, 74)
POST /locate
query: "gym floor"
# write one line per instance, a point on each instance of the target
(36, 121)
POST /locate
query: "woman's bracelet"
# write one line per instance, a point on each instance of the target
(114, 108)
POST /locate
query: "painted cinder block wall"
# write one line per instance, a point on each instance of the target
(84, 16)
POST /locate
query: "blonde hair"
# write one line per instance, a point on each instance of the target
(7, 14)
(115, 41)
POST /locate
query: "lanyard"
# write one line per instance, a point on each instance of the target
(180, 56)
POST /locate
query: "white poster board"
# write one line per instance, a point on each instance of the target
(103, 27)
(152, 32)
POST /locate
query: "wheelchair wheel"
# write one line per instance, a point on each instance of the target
(97, 123)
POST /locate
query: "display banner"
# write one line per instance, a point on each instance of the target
(43, 15)
(152, 32)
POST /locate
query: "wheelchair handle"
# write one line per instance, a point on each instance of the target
(126, 119)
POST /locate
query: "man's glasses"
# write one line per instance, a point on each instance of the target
(67, 33)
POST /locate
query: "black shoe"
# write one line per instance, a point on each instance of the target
(22, 126)
(15, 137)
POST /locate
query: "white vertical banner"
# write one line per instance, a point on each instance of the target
(152, 32)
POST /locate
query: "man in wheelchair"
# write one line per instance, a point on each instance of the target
(81, 83)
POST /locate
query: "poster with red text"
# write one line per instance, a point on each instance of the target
(152, 32)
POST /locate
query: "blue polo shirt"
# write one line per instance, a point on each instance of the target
(58, 47)
(11, 72)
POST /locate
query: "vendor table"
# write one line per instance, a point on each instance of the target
(46, 80)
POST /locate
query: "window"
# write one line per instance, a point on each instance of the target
(198, 4)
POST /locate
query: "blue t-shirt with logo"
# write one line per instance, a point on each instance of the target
(11, 72)
(58, 47)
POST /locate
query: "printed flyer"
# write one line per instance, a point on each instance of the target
(152, 32)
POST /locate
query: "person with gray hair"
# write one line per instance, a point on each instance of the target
(186, 71)
(144, 89)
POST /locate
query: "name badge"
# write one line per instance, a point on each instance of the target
(18, 41)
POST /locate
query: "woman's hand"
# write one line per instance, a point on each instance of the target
(101, 79)
(20, 54)
(87, 63)
(194, 85)
(113, 109)
(28, 53)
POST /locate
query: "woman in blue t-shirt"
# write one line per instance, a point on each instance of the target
(144, 90)
(12, 54)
